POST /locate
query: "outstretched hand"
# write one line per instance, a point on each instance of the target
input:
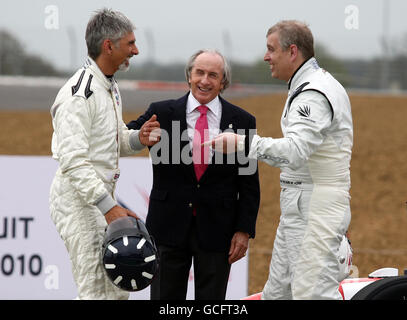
(150, 132)
(225, 142)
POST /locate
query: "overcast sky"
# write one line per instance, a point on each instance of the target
(171, 30)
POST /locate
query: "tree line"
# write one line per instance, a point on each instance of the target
(374, 73)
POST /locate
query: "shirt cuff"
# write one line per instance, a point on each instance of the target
(240, 142)
(106, 203)
(253, 147)
(134, 141)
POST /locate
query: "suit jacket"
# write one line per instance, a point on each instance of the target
(225, 202)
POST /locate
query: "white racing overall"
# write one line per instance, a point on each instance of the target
(314, 157)
(89, 136)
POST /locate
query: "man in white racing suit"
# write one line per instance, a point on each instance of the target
(314, 157)
(89, 136)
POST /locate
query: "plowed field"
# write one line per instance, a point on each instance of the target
(378, 170)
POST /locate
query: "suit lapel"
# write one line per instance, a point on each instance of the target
(179, 114)
(228, 119)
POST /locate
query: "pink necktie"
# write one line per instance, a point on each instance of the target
(200, 154)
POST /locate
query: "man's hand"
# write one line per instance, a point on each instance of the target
(150, 132)
(238, 246)
(118, 212)
(226, 142)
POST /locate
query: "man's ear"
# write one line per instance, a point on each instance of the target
(107, 46)
(293, 52)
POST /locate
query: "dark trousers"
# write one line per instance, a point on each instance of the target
(211, 272)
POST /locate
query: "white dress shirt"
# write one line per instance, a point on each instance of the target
(214, 115)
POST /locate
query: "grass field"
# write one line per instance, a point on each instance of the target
(378, 229)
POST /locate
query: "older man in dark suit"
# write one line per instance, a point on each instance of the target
(203, 204)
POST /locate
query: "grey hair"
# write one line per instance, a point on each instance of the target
(227, 74)
(294, 32)
(106, 24)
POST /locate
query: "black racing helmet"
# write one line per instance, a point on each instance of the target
(129, 254)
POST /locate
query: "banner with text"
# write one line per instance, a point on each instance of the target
(34, 263)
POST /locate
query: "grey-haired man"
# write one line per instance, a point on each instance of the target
(200, 209)
(89, 136)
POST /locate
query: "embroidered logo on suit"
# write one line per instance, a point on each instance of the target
(304, 111)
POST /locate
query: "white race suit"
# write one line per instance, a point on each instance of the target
(314, 156)
(89, 136)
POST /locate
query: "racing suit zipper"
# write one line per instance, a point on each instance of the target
(113, 94)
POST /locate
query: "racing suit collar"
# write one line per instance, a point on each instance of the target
(310, 64)
(105, 81)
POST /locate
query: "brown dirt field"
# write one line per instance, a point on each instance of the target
(378, 171)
